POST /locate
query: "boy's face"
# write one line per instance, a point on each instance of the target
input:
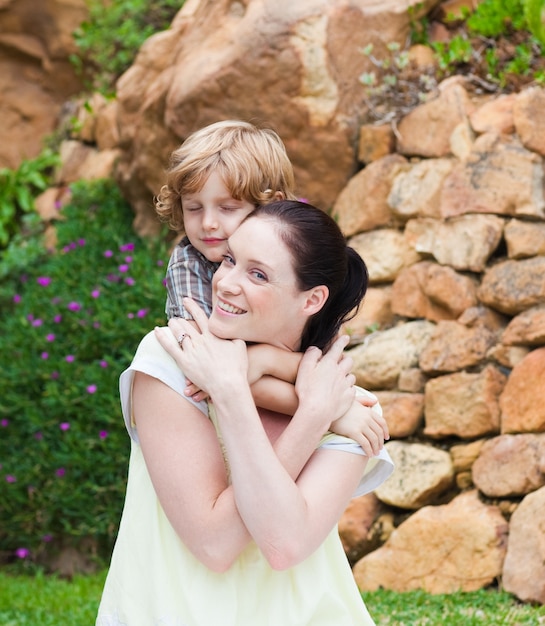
(211, 215)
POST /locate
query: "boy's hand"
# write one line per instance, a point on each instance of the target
(364, 425)
(192, 391)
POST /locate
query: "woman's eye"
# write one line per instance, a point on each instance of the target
(227, 258)
(259, 275)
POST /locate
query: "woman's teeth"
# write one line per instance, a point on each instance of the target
(229, 308)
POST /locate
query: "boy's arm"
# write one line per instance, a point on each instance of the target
(364, 424)
(267, 360)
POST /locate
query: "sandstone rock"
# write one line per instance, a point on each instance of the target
(527, 328)
(411, 380)
(454, 346)
(422, 475)
(441, 549)
(463, 404)
(514, 286)
(508, 356)
(355, 526)
(524, 239)
(386, 252)
(464, 243)
(495, 115)
(379, 361)
(37, 77)
(415, 192)
(374, 314)
(462, 140)
(83, 162)
(426, 130)
(106, 129)
(484, 317)
(529, 118)
(292, 66)
(375, 142)
(521, 403)
(464, 455)
(431, 291)
(361, 205)
(510, 465)
(500, 176)
(524, 566)
(403, 412)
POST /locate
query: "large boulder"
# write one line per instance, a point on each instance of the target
(36, 77)
(293, 66)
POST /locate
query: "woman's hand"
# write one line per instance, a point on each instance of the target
(210, 363)
(325, 384)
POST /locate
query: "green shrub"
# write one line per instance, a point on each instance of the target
(18, 189)
(109, 40)
(70, 324)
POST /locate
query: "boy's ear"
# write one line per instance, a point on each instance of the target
(315, 299)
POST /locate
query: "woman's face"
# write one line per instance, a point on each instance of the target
(255, 289)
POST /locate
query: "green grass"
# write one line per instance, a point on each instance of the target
(49, 601)
(478, 608)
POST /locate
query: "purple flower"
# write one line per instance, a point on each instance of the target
(81, 242)
(96, 324)
(54, 375)
(95, 293)
(11, 479)
(60, 472)
(130, 315)
(22, 553)
(74, 306)
(30, 317)
(57, 319)
(128, 259)
(44, 281)
(17, 298)
(37, 322)
(142, 313)
(64, 426)
(160, 263)
(50, 337)
(126, 247)
(103, 363)
(44, 355)
(130, 281)
(69, 358)
(4, 422)
(103, 434)
(108, 253)
(91, 388)
(38, 436)
(123, 268)
(47, 538)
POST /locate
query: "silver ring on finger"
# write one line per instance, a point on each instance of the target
(180, 339)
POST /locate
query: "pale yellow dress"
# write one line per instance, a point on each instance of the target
(155, 580)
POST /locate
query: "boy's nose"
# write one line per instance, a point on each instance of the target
(209, 220)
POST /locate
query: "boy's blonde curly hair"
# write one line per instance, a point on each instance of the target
(251, 161)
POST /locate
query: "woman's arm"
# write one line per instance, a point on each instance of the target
(186, 466)
(287, 518)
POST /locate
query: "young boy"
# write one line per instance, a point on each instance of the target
(218, 176)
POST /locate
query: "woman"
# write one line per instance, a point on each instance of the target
(230, 520)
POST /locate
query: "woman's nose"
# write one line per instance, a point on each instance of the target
(227, 281)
